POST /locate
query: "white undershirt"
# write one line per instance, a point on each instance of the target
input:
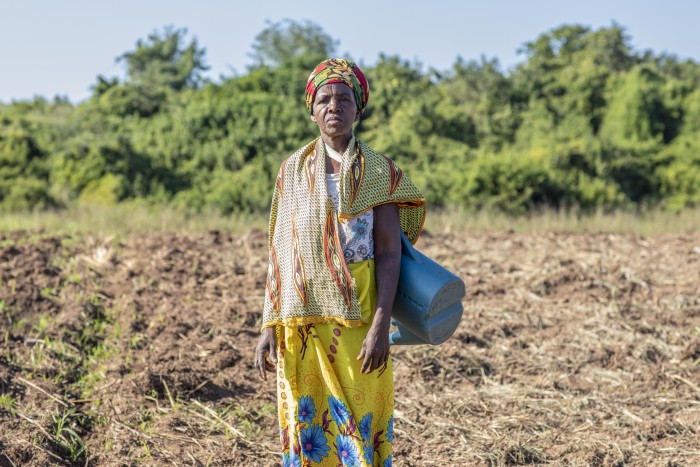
(356, 236)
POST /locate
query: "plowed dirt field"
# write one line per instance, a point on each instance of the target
(573, 350)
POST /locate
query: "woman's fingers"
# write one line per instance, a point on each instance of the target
(367, 364)
(373, 359)
(380, 361)
(266, 353)
(272, 353)
(377, 364)
(259, 363)
(372, 362)
(366, 358)
(265, 362)
(362, 353)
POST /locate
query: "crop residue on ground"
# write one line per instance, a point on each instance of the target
(573, 350)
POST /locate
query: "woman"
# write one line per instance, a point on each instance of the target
(337, 213)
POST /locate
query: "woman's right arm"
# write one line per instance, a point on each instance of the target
(266, 349)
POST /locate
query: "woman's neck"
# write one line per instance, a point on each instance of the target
(338, 143)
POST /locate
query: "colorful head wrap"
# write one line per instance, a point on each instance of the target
(338, 70)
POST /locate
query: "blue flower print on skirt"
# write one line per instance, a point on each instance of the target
(366, 433)
(368, 453)
(347, 453)
(366, 427)
(313, 443)
(290, 459)
(338, 410)
(306, 409)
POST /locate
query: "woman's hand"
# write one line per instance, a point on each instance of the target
(267, 347)
(375, 347)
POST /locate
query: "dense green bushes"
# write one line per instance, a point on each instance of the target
(583, 122)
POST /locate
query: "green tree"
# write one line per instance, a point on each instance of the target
(23, 171)
(285, 40)
(161, 65)
(486, 101)
(165, 58)
(636, 114)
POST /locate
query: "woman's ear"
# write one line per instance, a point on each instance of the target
(313, 118)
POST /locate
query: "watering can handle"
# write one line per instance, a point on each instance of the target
(407, 248)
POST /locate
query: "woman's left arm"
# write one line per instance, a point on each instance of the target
(387, 259)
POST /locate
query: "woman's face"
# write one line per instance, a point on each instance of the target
(334, 109)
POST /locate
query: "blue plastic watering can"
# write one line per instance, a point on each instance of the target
(428, 303)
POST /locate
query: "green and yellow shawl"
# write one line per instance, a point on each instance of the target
(308, 280)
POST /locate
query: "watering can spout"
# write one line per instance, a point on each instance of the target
(403, 336)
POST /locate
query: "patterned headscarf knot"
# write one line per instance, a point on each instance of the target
(338, 70)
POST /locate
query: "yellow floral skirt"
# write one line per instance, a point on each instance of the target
(330, 413)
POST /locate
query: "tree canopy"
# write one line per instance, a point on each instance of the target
(285, 40)
(584, 121)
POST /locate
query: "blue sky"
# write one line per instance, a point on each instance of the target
(50, 47)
